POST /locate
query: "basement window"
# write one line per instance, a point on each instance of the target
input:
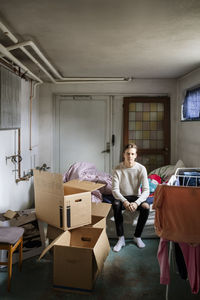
(191, 106)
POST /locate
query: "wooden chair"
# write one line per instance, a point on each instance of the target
(10, 239)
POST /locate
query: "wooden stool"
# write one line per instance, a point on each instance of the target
(10, 239)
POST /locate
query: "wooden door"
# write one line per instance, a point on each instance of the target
(147, 124)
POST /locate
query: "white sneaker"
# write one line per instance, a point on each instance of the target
(139, 242)
(120, 244)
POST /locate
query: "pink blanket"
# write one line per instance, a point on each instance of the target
(87, 171)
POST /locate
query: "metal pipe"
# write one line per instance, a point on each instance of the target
(93, 79)
(39, 53)
(8, 33)
(34, 88)
(30, 133)
(61, 79)
(6, 53)
(65, 79)
(89, 81)
(37, 63)
(19, 153)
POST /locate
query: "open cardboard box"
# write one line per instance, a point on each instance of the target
(53, 232)
(99, 214)
(79, 255)
(63, 205)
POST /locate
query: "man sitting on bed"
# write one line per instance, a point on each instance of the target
(127, 179)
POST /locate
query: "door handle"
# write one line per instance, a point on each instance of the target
(107, 150)
(113, 139)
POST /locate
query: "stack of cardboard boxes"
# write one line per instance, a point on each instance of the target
(77, 228)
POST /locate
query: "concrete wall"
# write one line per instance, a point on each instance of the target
(17, 196)
(153, 87)
(188, 133)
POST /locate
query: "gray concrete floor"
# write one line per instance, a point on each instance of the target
(130, 274)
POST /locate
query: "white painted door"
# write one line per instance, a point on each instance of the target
(82, 131)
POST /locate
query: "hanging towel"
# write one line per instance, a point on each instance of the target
(177, 213)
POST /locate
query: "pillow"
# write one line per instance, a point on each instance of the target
(164, 171)
(167, 171)
(179, 164)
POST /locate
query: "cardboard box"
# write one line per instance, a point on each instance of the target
(79, 256)
(33, 238)
(9, 214)
(99, 214)
(63, 205)
(53, 232)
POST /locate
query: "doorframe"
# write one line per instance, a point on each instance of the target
(57, 98)
(167, 122)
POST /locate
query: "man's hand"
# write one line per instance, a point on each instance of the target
(130, 206)
(133, 206)
(126, 204)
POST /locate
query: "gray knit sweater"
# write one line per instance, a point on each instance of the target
(127, 181)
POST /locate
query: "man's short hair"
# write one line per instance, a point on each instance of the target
(129, 146)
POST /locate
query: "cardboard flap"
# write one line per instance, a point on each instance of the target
(101, 249)
(53, 244)
(48, 183)
(9, 214)
(100, 209)
(87, 186)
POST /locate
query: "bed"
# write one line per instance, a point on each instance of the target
(87, 171)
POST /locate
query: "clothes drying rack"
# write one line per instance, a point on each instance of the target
(186, 177)
(183, 176)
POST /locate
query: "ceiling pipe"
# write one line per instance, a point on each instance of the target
(6, 53)
(62, 79)
(59, 79)
(35, 61)
(39, 53)
(8, 33)
(93, 78)
(89, 81)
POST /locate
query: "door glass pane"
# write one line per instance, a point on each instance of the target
(151, 161)
(146, 125)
